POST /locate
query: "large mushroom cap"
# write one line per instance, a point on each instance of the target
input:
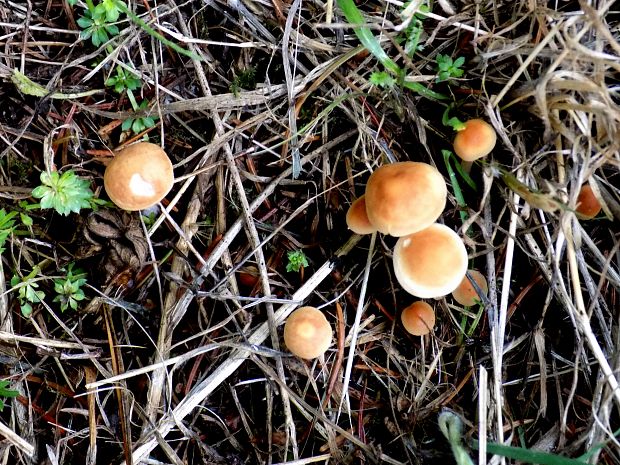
(307, 333)
(430, 263)
(418, 318)
(466, 293)
(357, 218)
(475, 141)
(138, 176)
(405, 197)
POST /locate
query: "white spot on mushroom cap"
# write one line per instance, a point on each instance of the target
(140, 187)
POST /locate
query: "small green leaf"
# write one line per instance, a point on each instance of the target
(26, 309)
(296, 260)
(382, 79)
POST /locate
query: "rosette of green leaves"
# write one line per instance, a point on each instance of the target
(69, 290)
(28, 291)
(64, 192)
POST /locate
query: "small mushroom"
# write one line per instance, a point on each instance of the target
(430, 263)
(466, 294)
(418, 318)
(588, 205)
(138, 176)
(476, 139)
(405, 197)
(307, 333)
(357, 218)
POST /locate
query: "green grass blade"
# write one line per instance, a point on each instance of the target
(424, 91)
(152, 32)
(365, 35)
(454, 182)
(528, 455)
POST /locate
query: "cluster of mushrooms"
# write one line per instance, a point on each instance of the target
(405, 200)
(402, 199)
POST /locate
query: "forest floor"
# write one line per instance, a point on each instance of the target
(155, 337)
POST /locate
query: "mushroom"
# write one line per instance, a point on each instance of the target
(307, 333)
(430, 263)
(357, 219)
(475, 139)
(466, 293)
(405, 197)
(418, 318)
(588, 205)
(138, 176)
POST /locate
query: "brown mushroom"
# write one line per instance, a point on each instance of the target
(476, 139)
(307, 333)
(466, 294)
(138, 176)
(430, 263)
(418, 318)
(588, 205)
(406, 197)
(357, 219)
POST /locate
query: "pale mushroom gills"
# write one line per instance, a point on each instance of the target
(430, 263)
(138, 176)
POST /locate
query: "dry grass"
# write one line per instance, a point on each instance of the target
(176, 356)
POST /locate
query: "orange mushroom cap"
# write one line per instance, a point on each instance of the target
(357, 219)
(588, 205)
(476, 140)
(138, 176)
(405, 197)
(418, 318)
(307, 333)
(466, 294)
(430, 263)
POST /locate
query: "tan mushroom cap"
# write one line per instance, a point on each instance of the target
(430, 263)
(475, 141)
(466, 294)
(418, 318)
(357, 219)
(307, 333)
(588, 205)
(405, 197)
(138, 176)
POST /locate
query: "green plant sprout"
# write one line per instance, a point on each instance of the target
(140, 123)
(451, 121)
(69, 289)
(7, 224)
(296, 260)
(382, 79)
(413, 32)
(245, 79)
(96, 23)
(126, 81)
(451, 427)
(372, 44)
(64, 192)
(448, 69)
(149, 219)
(123, 81)
(27, 291)
(6, 393)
